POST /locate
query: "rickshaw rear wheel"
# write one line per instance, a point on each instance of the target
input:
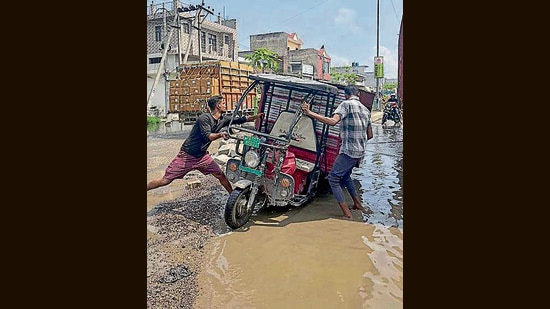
(236, 212)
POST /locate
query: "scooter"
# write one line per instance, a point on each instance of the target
(393, 113)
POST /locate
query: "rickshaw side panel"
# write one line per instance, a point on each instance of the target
(333, 139)
(274, 101)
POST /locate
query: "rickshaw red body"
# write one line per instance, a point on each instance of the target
(283, 160)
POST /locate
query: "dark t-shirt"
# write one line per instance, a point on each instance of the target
(392, 101)
(197, 142)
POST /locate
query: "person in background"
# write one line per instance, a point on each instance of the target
(193, 153)
(354, 118)
(392, 100)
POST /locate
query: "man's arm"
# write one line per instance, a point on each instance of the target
(254, 117)
(207, 129)
(215, 136)
(326, 120)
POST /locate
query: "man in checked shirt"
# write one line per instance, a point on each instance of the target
(354, 117)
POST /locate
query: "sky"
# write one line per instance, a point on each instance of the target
(347, 28)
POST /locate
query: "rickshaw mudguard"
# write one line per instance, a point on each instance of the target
(243, 183)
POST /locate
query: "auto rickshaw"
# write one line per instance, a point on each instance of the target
(281, 161)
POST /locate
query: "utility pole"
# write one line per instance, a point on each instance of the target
(199, 31)
(176, 5)
(208, 11)
(189, 39)
(196, 23)
(161, 64)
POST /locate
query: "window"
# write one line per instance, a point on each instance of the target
(186, 28)
(158, 33)
(212, 43)
(326, 67)
(203, 42)
(154, 60)
(226, 39)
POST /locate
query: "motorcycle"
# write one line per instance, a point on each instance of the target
(285, 157)
(392, 112)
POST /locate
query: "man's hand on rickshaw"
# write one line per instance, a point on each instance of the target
(305, 108)
(224, 133)
(254, 117)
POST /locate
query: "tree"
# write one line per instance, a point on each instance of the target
(390, 86)
(262, 59)
(347, 77)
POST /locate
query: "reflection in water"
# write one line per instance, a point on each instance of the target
(380, 177)
(387, 276)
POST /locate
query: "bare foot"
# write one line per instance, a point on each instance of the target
(357, 207)
(345, 209)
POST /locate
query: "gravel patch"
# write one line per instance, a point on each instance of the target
(177, 232)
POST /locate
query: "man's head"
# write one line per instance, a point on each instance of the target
(350, 90)
(392, 96)
(218, 102)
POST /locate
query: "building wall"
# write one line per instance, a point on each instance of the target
(164, 17)
(323, 64)
(158, 98)
(307, 56)
(294, 45)
(277, 42)
(294, 42)
(290, 51)
(225, 52)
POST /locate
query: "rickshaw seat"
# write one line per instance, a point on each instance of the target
(304, 146)
(304, 165)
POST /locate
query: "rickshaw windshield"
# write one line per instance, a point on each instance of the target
(295, 88)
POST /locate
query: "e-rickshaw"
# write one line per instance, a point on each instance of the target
(281, 161)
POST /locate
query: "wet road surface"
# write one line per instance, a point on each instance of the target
(308, 257)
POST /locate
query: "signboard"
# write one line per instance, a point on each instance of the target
(379, 67)
(307, 69)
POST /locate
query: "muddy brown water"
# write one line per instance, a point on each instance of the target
(307, 257)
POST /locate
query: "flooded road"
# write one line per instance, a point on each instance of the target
(307, 257)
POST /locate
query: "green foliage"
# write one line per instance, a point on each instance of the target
(262, 59)
(390, 86)
(152, 119)
(347, 77)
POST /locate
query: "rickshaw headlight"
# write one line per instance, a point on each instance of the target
(251, 159)
(283, 193)
(232, 166)
(232, 172)
(285, 182)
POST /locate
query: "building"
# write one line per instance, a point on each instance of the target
(364, 78)
(218, 41)
(307, 63)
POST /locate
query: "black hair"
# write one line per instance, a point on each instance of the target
(213, 101)
(351, 90)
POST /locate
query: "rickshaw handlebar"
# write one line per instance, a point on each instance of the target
(258, 133)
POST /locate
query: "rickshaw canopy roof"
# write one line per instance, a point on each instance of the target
(295, 82)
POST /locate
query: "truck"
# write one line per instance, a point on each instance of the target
(196, 82)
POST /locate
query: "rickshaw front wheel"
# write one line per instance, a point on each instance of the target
(236, 212)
